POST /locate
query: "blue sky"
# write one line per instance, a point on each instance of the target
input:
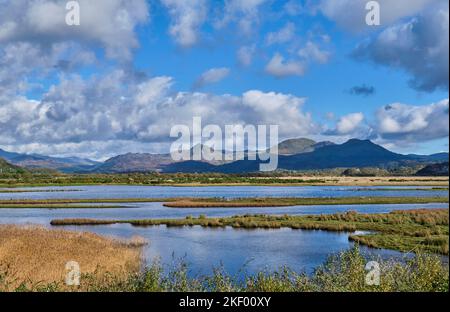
(133, 68)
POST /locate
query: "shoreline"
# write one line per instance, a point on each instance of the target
(205, 181)
(189, 202)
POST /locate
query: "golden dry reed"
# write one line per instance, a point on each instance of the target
(38, 255)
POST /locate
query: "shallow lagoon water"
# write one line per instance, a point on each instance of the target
(238, 251)
(132, 191)
(158, 211)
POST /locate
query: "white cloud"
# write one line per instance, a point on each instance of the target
(312, 51)
(109, 24)
(187, 19)
(349, 126)
(420, 46)
(77, 113)
(396, 125)
(284, 35)
(351, 14)
(212, 75)
(245, 55)
(401, 122)
(280, 109)
(349, 123)
(280, 68)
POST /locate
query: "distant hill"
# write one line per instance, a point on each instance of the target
(140, 162)
(69, 164)
(353, 153)
(163, 162)
(134, 163)
(299, 146)
(440, 169)
(296, 146)
(7, 168)
(294, 154)
(433, 157)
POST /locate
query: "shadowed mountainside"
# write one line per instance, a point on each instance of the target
(440, 169)
(294, 154)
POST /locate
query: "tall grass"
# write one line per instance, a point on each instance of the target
(33, 257)
(343, 272)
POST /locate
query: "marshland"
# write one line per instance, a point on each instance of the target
(233, 237)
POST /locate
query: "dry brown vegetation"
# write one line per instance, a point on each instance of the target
(377, 181)
(297, 201)
(35, 255)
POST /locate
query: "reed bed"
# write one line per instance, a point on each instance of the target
(343, 272)
(297, 201)
(215, 202)
(32, 256)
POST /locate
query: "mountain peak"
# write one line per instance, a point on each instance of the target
(359, 141)
(296, 146)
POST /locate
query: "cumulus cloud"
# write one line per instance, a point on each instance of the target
(407, 123)
(351, 14)
(76, 113)
(419, 46)
(280, 68)
(108, 24)
(364, 90)
(212, 75)
(396, 125)
(283, 35)
(311, 51)
(187, 18)
(350, 124)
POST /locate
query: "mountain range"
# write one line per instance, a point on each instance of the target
(67, 164)
(294, 154)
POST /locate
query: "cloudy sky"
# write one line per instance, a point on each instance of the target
(133, 68)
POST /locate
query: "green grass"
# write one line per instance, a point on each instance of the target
(217, 202)
(297, 201)
(12, 191)
(72, 203)
(343, 272)
(57, 206)
(327, 177)
(427, 189)
(424, 230)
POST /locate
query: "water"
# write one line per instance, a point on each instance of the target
(158, 211)
(126, 191)
(236, 250)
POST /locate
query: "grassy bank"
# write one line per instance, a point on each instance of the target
(424, 230)
(273, 179)
(296, 201)
(76, 203)
(13, 191)
(33, 256)
(344, 272)
(57, 206)
(216, 202)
